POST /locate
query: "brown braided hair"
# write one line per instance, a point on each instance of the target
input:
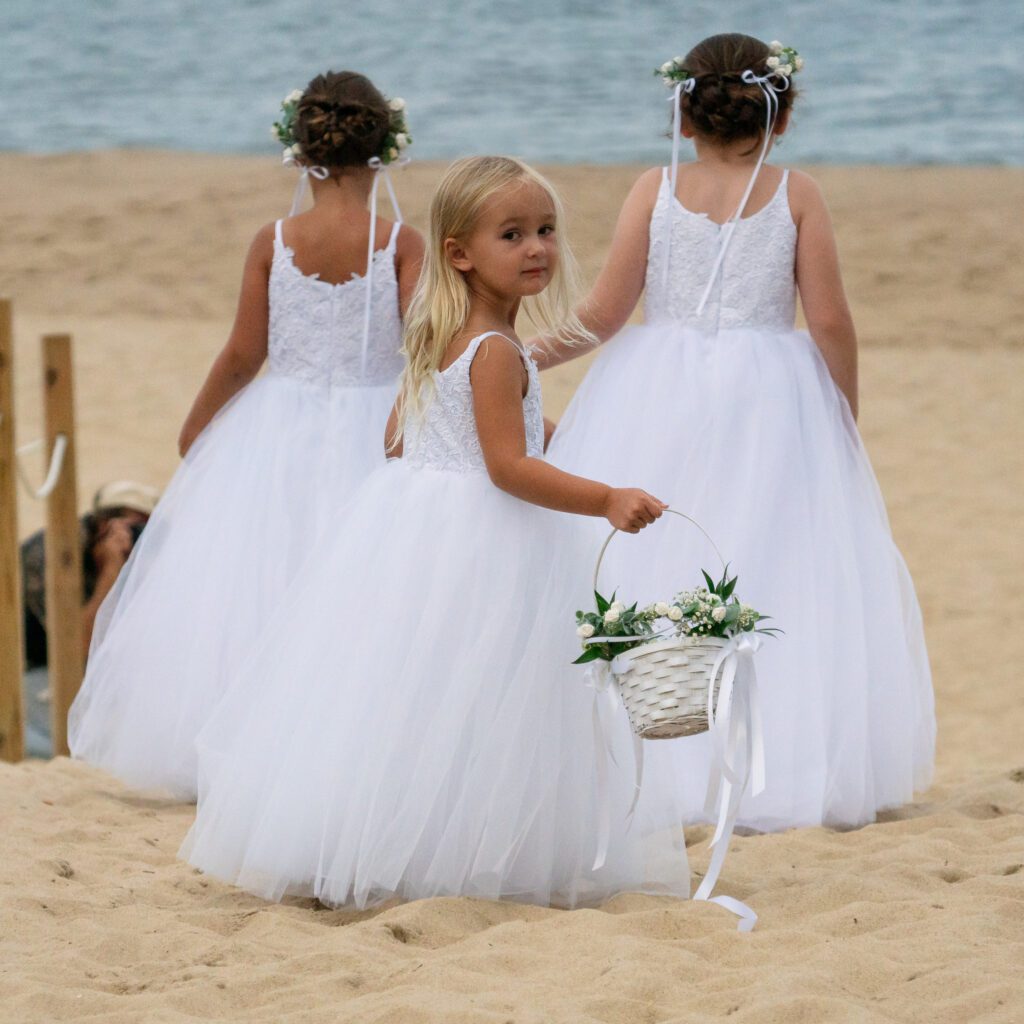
(722, 107)
(342, 120)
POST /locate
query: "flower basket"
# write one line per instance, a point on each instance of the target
(663, 681)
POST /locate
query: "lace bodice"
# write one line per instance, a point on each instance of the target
(445, 436)
(316, 328)
(756, 286)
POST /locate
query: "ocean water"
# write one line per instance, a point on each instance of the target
(904, 82)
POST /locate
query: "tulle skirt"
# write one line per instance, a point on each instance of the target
(237, 519)
(746, 432)
(410, 724)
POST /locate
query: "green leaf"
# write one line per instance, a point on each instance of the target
(590, 654)
(710, 582)
(732, 613)
(602, 603)
(729, 588)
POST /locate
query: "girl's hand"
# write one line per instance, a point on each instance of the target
(629, 509)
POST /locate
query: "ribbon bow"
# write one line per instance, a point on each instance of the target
(307, 171)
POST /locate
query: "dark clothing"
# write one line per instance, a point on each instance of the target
(33, 586)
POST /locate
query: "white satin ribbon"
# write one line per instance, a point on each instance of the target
(767, 85)
(737, 739)
(380, 171)
(677, 130)
(306, 171)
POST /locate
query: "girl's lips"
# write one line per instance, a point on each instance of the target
(536, 270)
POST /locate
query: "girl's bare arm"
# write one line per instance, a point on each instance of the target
(497, 377)
(241, 358)
(617, 290)
(820, 285)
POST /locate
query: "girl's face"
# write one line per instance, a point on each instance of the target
(512, 250)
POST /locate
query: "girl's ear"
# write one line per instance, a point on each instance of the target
(457, 255)
(782, 123)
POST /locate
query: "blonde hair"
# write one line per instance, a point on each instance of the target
(440, 306)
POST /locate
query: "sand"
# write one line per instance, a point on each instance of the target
(919, 917)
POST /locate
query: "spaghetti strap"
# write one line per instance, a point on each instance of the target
(496, 334)
(394, 236)
(278, 237)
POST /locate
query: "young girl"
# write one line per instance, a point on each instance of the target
(748, 425)
(267, 461)
(411, 725)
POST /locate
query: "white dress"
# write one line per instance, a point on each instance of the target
(732, 417)
(235, 522)
(411, 725)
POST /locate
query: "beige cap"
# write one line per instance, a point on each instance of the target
(126, 494)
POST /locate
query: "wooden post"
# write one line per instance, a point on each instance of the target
(63, 543)
(12, 715)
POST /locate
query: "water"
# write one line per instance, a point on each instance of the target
(547, 80)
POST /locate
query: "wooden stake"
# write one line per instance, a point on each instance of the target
(63, 543)
(12, 716)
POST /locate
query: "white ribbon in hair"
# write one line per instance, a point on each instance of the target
(770, 85)
(737, 759)
(305, 172)
(686, 86)
(380, 171)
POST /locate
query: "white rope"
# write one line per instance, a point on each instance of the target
(60, 446)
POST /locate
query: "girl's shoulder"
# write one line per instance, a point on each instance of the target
(647, 186)
(409, 245)
(805, 196)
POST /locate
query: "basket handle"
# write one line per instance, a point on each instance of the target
(682, 515)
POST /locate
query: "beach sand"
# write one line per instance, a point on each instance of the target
(919, 917)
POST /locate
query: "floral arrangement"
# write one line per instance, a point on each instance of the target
(783, 60)
(396, 141)
(712, 610)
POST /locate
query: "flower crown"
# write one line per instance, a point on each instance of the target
(397, 139)
(782, 62)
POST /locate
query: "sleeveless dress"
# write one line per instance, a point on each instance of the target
(411, 724)
(236, 521)
(733, 418)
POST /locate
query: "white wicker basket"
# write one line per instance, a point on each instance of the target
(664, 684)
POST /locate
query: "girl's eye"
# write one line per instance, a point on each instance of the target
(510, 236)
(548, 229)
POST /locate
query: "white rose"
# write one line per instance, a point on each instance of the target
(772, 62)
(798, 62)
(612, 615)
(273, 133)
(719, 613)
(775, 46)
(393, 153)
(397, 104)
(667, 80)
(661, 608)
(677, 60)
(294, 96)
(675, 613)
(618, 606)
(786, 69)
(296, 149)
(401, 140)
(585, 631)
(666, 67)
